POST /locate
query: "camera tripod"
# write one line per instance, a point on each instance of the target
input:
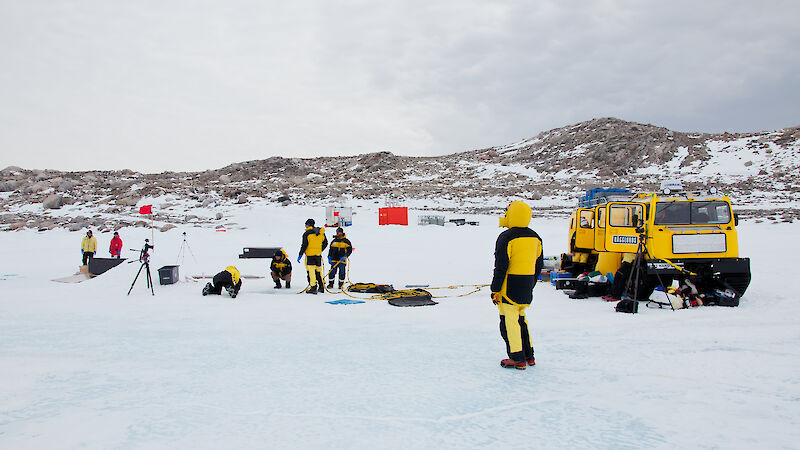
(638, 265)
(144, 258)
(639, 271)
(182, 251)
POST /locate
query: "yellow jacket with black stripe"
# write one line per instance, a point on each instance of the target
(235, 275)
(518, 257)
(314, 242)
(282, 267)
(340, 248)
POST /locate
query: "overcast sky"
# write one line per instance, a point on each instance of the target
(188, 85)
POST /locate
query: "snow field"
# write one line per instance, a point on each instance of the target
(84, 365)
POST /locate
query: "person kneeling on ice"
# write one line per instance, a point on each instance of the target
(518, 262)
(312, 245)
(281, 269)
(340, 250)
(230, 279)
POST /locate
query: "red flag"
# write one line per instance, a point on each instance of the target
(146, 209)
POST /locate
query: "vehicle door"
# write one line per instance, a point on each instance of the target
(622, 219)
(600, 228)
(584, 235)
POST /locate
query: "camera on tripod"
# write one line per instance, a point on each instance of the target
(144, 254)
(144, 258)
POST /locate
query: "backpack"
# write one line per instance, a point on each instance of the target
(628, 306)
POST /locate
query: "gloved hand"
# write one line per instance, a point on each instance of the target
(299, 257)
(344, 259)
(329, 260)
(496, 298)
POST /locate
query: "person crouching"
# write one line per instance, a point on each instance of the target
(281, 269)
(229, 279)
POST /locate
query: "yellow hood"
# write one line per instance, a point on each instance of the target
(518, 214)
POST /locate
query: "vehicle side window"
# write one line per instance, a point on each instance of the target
(622, 215)
(587, 219)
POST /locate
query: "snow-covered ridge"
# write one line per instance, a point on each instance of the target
(758, 170)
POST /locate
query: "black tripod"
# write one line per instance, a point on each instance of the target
(182, 251)
(638, 265)
(144, 258)
(639, 271)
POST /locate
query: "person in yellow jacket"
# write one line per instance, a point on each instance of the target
(518, 262)
(230, 279)
(88, 247)
(312, 245)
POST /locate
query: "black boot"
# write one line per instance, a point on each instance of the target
(320, 284)
(206, 288)
(330, 284)
(288, 285)
(312, 290)
(277, 285)
(231, 291)
(341, 283)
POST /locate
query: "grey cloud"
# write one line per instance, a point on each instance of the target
(203, 84)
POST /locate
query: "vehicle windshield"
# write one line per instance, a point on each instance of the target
(692, 213)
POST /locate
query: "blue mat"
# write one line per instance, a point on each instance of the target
(345, 301)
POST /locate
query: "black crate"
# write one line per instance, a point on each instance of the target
(98, 266)
(259, 252)
(168, 274)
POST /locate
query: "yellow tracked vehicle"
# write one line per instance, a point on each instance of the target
(679, 236)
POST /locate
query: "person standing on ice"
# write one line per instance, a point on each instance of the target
(312, 245)
(518, 262)
(340, 250)
(116, 246)
(88, 247)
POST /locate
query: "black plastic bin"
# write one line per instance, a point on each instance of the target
(168, 274)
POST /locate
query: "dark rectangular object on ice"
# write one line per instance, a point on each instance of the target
(98, 266)
(168, 275)
(570, 283)
(259, 252)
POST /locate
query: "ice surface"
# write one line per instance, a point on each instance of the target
(84, 365)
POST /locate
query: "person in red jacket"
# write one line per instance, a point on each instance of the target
(116, 246)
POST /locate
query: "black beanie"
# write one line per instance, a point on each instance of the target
(310, 222)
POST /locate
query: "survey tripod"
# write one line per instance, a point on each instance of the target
(639, 271)
(182, 251)
(144, 258)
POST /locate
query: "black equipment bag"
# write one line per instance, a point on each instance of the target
(628, 306)
(411, 297)
(371, 288)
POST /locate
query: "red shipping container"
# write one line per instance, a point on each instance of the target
(393, 216)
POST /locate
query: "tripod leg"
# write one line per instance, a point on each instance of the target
(134, 280)
(150, 280)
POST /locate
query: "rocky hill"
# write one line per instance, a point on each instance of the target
(758, 170)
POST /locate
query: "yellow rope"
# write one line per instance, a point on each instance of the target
(395, 294)
(681, 269)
